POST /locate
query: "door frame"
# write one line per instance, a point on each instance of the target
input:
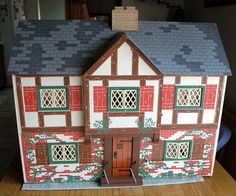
(108, 154)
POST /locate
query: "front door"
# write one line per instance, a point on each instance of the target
(122, 153)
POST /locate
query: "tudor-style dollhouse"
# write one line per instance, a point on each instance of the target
(117, 105)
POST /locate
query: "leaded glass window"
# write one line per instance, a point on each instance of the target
(189, 97)
(63, 153)
(124, 99)
(177, 150)
(53, 98)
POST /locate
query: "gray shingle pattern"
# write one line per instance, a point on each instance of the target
(70, 47)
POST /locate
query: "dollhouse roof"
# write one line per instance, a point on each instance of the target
(71, 47)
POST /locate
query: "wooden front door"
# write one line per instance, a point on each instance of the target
(122, 153)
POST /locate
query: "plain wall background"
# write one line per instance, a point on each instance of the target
(150, 10)
(52, 9)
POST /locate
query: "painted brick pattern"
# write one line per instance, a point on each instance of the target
(199, 165)
(168, 94)
(146, 98)
(30, 99)
(100, 98)
(36, 173)
(165, 134)
(75, 98)
(125, 18)
(210, 96)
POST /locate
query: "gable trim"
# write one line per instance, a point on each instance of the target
(135, 63)
(114, 63)
(112, 51)
(143, 56)
(104, 57)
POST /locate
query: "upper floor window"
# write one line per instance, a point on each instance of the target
(63, 153)
(53, 98)
(123, 98)
(178, 150)
(189, 97)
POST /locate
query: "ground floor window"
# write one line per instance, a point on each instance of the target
(63, 153)
(178, 150)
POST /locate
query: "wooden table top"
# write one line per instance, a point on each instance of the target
(221, 183)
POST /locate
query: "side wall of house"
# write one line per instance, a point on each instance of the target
(203, 115)
(47, 172)
(199, 162)
(37, 113)
(203, 140)
(39, 128)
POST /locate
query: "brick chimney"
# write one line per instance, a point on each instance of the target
(125, 19)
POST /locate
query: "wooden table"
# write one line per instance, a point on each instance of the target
(220, 184)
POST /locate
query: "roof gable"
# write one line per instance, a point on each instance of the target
(123, 58)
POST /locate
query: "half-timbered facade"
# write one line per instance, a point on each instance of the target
(92, 103)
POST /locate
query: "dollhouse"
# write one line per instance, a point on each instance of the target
(141, 100)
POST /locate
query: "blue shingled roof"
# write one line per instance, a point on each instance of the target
(70, 47)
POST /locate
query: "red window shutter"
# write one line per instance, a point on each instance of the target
(100, 98)
(42, 153)
(210, 96)
(146, 98)
(158, 151)
(85, 152)
(168, 94)
(198, 148)
(75, 98)
(30, 99)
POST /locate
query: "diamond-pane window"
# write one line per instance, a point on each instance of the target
(177, 150)
(55, 98)
(124, 99)
(63, 153)
(189, 97)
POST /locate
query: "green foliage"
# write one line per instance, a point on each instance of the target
(181, 175)
(96, 176)
(70, 178)
(147, 125)
(102, 125)
(144, 173)
(41, 136)
(168, 174)
(200, 133)
(149, 122)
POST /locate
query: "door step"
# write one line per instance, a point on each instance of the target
(121, 181)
